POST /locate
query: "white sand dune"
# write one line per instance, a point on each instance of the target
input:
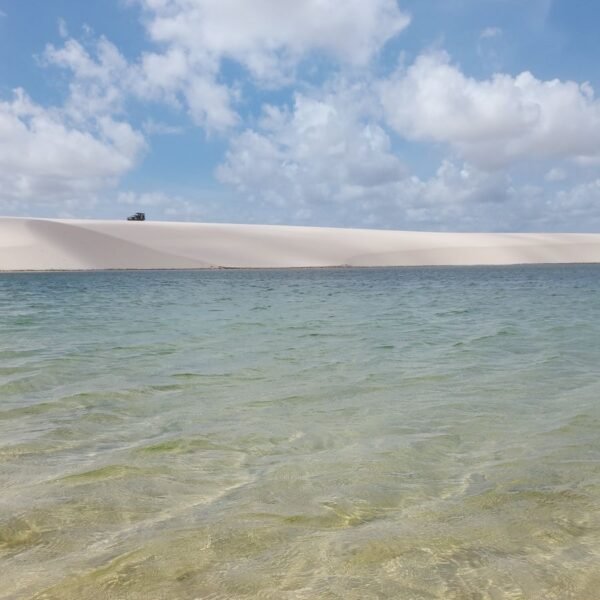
(57, 244)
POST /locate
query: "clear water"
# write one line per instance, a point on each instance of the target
(353, 434)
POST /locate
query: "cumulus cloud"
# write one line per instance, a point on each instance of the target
(196, 38)
(64, 158)
(580, 204)
(44, 155)
(327, 160)
(86, 144)
(326, 149)
(99, 79)
(103, 80)
(269, 36)
(496, 122)
(574, 208)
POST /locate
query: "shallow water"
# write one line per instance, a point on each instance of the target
(354, 434)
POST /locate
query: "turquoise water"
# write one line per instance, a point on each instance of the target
(353, 434)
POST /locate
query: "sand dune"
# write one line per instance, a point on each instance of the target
(56, 244)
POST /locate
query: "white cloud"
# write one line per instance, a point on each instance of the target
(209, 103)
(581, 201)
(103, 80)
(66, 155)
(100, 81)
(164, 75)
(327, 150)
(555, 174)
(495, 122)
(490, 32)
(327, 161)
(571, 209)
(269, 36)
(152, 127)
(45, 157)
(63, 30)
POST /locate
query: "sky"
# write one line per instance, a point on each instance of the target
(437, 115)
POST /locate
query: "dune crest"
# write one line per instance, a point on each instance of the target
(64, 244)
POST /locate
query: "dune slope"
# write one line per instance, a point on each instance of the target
(56, 244)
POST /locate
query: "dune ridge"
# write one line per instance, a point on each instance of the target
(28, 244)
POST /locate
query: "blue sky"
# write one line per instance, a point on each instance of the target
(418, 114)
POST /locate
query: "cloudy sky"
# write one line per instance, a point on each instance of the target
(410, 114)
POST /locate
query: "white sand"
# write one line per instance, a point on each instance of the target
(56, 244)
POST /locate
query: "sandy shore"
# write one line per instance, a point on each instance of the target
(60, 244)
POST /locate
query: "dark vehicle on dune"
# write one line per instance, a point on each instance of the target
(137, 217)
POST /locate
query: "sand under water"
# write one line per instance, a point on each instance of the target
(412, 433)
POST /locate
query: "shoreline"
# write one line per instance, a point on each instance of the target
(319, 268)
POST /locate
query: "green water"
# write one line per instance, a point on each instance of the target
(353, 434)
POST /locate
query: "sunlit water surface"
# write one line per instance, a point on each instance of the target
(353, 434)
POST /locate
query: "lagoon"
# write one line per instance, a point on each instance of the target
(410, 433)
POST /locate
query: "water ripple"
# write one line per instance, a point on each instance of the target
(353, 433)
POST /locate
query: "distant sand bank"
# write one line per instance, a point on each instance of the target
(60, 244)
